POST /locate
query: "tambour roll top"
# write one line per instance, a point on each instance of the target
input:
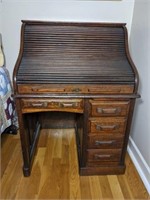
(84, 53)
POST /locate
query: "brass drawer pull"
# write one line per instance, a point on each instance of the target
(98, 156)
(108, 110)
(97, 142)
(76, 90)
(107, 127)
(68, 105)
(43, 104)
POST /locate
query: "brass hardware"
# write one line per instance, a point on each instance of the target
(97, 142)
(108, 110)
(76, 90)
(68, 105)
(106, 127)
(42, 104)
(98, 156)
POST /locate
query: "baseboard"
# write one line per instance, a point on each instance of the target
(140, 163)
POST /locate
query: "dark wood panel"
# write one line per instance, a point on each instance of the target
(74, 53)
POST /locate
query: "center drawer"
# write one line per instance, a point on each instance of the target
(35, 104)
(106, 125)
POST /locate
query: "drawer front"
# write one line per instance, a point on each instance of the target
(108, 141)
(70, 105)
(111, 89)
(52, 88)
(106, 125)
(74, 88)
(102, 156)
(109, 108)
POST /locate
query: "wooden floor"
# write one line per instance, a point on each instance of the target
(55, 172)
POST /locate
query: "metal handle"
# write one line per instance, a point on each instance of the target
(42, 104)
(68, 105)
(76, 90)
(106, 127)
(108, 110)
(97, 142)
(98, 156)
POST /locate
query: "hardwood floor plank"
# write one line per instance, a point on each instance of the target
(5, 148)
(115, 187)
(134, 181)
(43, 138)
(11, 177)
(65, 150)
(125, 187)
(50, 188)
(49, 148)
(73, 168)
(57, 136)
(64, 192)
(29, 186)
(105, 187)
(85, 187)
(95, 188)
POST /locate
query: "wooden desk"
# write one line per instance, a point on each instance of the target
(81, 68)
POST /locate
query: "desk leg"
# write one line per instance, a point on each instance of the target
(29, 128)
(24, 137)
(79, 136)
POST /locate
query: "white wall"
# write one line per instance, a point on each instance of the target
(0, 16)
(14, 11)
(140, 51)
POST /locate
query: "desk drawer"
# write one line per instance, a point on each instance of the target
(109, 108)
(103, 156)
(70, 105)
(108, 141)
(106, 125)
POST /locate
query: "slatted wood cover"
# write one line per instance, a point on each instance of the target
(57, 52)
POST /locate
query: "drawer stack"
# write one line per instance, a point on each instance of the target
(106, 130)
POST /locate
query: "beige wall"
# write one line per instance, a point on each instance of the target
(140, 51)
(0, 16)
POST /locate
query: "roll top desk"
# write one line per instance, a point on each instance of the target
(80, 68)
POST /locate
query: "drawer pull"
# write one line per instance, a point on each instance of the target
(97, 142)
(43, 104)
(98, 156)
(108, 110)
(107, 127)
(68, 105)
(41, 89)
(76, 90)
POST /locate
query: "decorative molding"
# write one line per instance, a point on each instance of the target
(140, 163)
